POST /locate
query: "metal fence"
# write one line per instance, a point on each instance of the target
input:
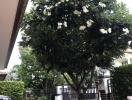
(35, 94)
(91, 94)
(88, 96)
(69, 94)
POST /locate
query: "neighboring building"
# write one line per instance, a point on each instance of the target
(105, 85)
(125, 59)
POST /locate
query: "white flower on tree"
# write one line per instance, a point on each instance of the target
(89, 23)
(109, 30)
(111, 11)
(83, 27)
(59, 25)
(62, 0)
(49, 13)
(65, 23)
(47, 0)
(103, 31)
(129, 42)
(125, 30)
(57, 4)
(87, 6)
(44, 12)
(85, 10)
(76, 12)
(102, 4)
(33, 76)
(50, 7)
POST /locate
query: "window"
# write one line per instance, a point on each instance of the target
(130, 60)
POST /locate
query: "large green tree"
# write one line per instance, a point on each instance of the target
(34, 75)
(75, 36)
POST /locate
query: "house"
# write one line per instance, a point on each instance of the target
(125, 59)
(11, 12)
(105, 86)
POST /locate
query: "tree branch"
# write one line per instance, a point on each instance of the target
(82, 78)
(91, 78)
(69, 82)
(74, 79)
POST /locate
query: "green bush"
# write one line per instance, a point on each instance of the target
(122, 82)
(14, 89)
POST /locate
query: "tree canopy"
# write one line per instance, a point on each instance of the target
(75, 36)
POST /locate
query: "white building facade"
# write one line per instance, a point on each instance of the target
(125, 59)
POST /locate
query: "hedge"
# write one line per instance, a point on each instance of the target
(122, 82)
(14, 89)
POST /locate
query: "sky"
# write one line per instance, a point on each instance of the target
(128, 4)
(15, 56)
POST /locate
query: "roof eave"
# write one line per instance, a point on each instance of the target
(18, 18)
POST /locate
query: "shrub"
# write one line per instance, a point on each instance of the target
(14, 89)
(122, 82)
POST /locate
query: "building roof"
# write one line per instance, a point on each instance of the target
(129, 51)
(11, 12)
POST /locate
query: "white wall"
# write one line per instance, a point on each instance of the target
(127, 56)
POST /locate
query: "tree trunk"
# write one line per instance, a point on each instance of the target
(81, 96)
